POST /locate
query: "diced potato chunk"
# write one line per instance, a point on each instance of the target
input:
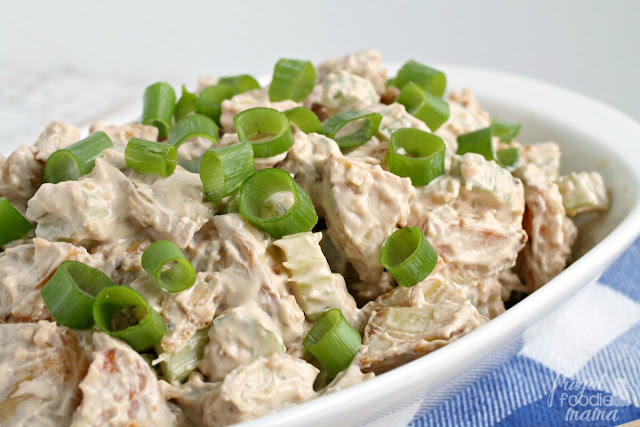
(344, 91)
(551, 233)
(363, 206)
(26, 268)
(239, 336)
(190, 310)
(545, 155)
(365, 64)
(487, 185)
(174, 207)
(307, 160)
(41, 365)
(258, 388)
(398, 333)
(120, 389)
(93, 209)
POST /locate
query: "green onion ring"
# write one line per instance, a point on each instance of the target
(333, 341)
(71, 292)
(187, 104)
(69, 164)
(222, 170)
(210, 100)
(256, 203)
(370, 125)
(151, 157)
(508, 158)
(408, 256)
(240, 84)
(479, 141)
(425, 159)
(192, 126)
(505, 130)
(292, 79)
(429, 79)
(168, 267)
(158, 105)
(13, 225)
(268, 131)
(113, 309)
(432, 110)
(304, 119)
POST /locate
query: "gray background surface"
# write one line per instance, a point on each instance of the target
(110, 47)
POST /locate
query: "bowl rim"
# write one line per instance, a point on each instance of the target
(573, 109)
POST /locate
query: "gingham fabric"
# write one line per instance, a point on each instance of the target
(578, 366)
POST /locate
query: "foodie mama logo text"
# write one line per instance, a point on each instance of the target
(586, 400)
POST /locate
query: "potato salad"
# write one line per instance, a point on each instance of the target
(241, 249)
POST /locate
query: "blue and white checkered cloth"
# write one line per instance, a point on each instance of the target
(578, 366)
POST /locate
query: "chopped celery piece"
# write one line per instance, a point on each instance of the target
(583, 192)
(314, 285)
(177, 367)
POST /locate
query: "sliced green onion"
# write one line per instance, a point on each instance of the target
(429, 79)
(151, 157)
(268, 131)
(424, 158)
(71, 291)
(272, 201)
(306, 120)
(508, 157)
(210, 100)
(479, 141)
(187, 104)
(159, 101)
(408, 256)
(240, 84)
(222, 170)
(370, 124)
(168, 267)
(504, 130)
(292, 79)
(123, 313)
(192, 126)
(432, 110)
(13, 225)
(178, 366)
(333, 341)
(69, 164)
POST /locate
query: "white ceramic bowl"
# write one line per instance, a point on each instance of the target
(592, 136)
